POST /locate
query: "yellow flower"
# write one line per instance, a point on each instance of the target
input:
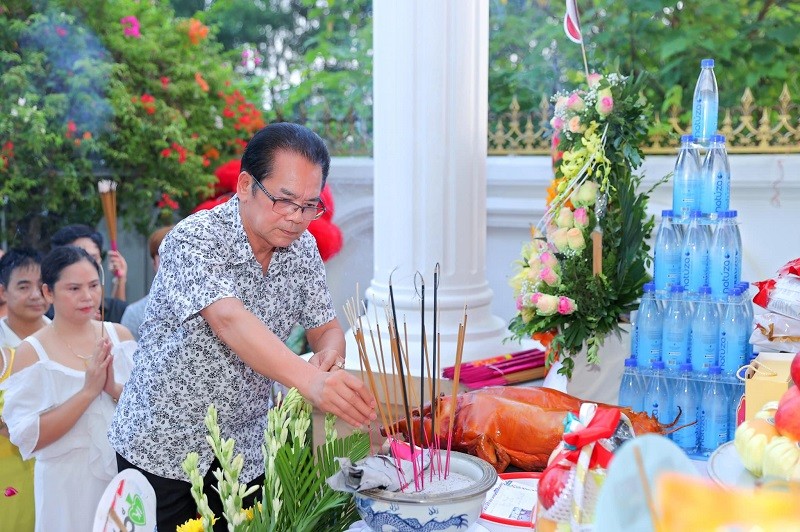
(192, 525)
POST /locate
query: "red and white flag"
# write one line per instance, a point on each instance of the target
(572, 25)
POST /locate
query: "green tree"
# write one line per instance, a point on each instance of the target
(310, 60)
(125, 90)
(754, 42)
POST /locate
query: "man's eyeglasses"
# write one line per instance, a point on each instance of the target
(286, 207)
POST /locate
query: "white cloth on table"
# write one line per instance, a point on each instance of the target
(71, 473)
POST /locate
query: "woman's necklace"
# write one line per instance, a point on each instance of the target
(69, 346)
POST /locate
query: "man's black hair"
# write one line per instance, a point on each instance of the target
(17, 258)
(70, 233)
(259, 155)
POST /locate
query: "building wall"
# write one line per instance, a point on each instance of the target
(765, 191)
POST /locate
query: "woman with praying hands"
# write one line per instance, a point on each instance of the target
(62, 392)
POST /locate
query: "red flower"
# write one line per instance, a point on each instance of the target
(164, 82)
(166, 152)
(71, 129)
(167, 201)
(206, 161)
(227, 113)
(61, 31)
(147, 98)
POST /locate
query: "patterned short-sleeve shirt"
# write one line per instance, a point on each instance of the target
(181, 366)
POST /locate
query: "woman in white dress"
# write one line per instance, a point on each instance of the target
(61, 394)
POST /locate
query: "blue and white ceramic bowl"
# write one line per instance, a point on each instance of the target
(449, 511)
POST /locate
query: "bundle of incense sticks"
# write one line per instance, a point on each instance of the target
(511, 368)
(108, 198)
(394, 377)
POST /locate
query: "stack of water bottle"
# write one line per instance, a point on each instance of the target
(691, 333)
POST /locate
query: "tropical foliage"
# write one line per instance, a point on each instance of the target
(120, 90)
(295, 495)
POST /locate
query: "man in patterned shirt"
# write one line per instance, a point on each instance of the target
(232, 283)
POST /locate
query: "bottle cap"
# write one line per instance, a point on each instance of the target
(734, 291)
(723, 214)
(649, 287)
(658, 364)
(676, 288)
(630, 362)
(733, 213)
(695, 213)
(669, 213)
(704, 290)
(707, 63)
(687, 138)
(718, 138)
(685, 367)
(715, 370)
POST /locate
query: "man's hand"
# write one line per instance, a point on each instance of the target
(327, 360)
(344, 396)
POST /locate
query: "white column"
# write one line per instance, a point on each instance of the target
(430, 108)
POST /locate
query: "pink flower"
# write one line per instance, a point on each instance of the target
(566, 305)
(61, 31)
(547, 305)
(581, 218)
(561, 103)
(548, 259)
(519, 303)
(535, 297)
(575, 239)
(575, 125)
(575, 102)
(565, 218)
(557, 122)
(549, 276)
(594, 79)
(535, 267)
(605, 102)
(130, 26)
(559, 239)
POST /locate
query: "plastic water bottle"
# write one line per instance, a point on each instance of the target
(675, 338)
(704, 332)
(747, 304)
(667, 253)
(737, 235)
(705, 104)
(714, 415)
(650, 319)
(686, 179)
(734, 334)
(657, 396)
(724, 253)
(630, 389)
(686, 397)
(694, 254)
(715, 190)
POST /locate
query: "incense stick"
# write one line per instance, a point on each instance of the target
(401, 374)
(456, 377)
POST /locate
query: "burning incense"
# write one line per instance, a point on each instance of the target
(108, 199)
